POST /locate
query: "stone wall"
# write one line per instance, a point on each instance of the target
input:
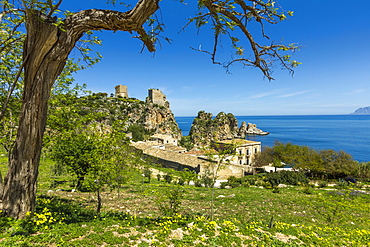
(180, 161)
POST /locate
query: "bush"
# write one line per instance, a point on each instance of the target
(147, 173)
(259, 182)
(181, 181)
(207, 181)
(223, 185)
(286, 177)
(323, 184)
(197, 183)
(275, 190)
(307, 189)
(233, 179)
(169, 203)
(167, 178)
(250, 180)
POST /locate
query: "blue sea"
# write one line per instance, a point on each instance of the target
(350, 133)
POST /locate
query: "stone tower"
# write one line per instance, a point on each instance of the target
(121, 91)
(156, 96)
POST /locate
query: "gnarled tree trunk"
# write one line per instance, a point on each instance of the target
(45, 53)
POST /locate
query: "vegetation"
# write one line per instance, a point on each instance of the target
(139, 132)
(316, 164)
(45, 56)
(163, 214)
(186, 142)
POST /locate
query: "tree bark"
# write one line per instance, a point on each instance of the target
(46, 50)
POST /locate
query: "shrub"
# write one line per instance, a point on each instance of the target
(170, 202)
(233, 179)
(286, 177)
(167, 178)
(307, 189)
(147, 173)
(259, 182)
(234, 185)
(342, 185)
(181, 181)
(323, 184)
(275, 190)
(223, 185)
(250, 180)
(207, 181)
(198, 183)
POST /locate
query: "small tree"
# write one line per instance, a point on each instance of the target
(147, 173)
(78, 152)
(338, 164)
(363, 170)
(301, 157)
(265, 157)
(186, 142)
(218, 156)
(188, 175)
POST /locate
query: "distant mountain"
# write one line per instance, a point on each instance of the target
(362, 111)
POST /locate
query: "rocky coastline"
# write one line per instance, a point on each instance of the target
(206, 129)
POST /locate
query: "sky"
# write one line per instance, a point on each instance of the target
(334, 78)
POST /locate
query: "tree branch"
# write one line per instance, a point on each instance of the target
(5, 105)
(97, 19)
(53, 8)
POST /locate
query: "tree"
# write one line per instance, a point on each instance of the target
(50, 40)
(78, 152)
(265, 157)
(338, 164)
(301, 157)
(186, 142)
(363, 170)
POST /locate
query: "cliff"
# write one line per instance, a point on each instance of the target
(224, 126)
(362, 111)
(153, 118)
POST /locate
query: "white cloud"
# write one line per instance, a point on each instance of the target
(265, 94)
(354, 92)
(294, 94)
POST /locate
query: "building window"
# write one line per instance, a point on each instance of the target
(247, 151)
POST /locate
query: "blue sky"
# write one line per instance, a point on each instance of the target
(334, 77)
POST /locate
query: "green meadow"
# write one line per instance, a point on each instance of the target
(158, 213)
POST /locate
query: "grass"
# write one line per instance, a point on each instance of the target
(242, 216)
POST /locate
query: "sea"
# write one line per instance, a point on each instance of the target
(350, 133)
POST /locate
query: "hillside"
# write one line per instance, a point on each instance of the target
(140, 213)
(362, 111)
(146, 116)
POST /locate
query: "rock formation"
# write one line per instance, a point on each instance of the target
(224, 126)
(155, 118)
(250, 129)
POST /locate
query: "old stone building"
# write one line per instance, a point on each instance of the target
(121, 91)
(244, 152)
(164, 139)
(171, 156)
(156, 96)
